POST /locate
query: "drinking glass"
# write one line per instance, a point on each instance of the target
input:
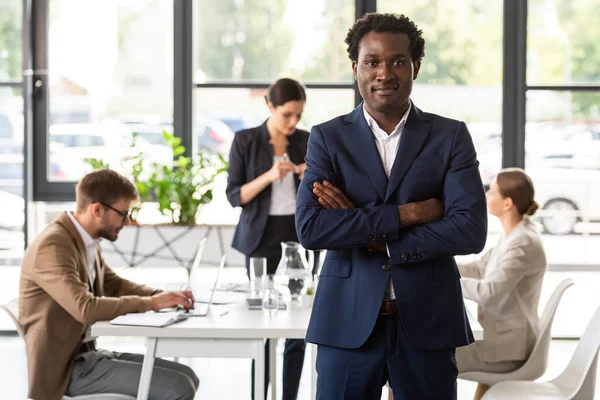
(257, 274)
(270, 302)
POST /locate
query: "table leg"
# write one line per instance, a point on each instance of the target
(273, 367)
(259, 370)
(147, 367)
(313, 371)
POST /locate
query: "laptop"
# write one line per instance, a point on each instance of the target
(195, 264)
(202, 309)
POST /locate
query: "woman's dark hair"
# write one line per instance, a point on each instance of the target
(393, 23)
(284, 90)
(516, 184)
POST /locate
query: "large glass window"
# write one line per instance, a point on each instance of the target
(563, 159)
(10, 40)
(11, 172)
(109, 76)
(240, 47)
(562, 42)
(259, 41)
(12, 211)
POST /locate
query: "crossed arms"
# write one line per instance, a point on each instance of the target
(413, 228)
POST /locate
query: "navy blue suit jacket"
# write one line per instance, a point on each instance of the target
(251, 155)
(435, 159)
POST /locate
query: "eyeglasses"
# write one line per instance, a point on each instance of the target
(124, 214)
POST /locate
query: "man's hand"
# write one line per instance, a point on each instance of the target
(330, 197)
(162, 300)
(420, 212)
(417, 213)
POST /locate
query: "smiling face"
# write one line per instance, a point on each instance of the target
(385, 72)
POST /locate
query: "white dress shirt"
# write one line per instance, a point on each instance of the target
(387, 145)
(90, 248)
(283, 194)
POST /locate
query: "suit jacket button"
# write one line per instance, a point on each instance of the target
(385, 267)
(404, 257)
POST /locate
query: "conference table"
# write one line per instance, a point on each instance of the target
(232, 332)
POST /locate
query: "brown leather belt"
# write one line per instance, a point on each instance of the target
(86, 346)
(388, 307)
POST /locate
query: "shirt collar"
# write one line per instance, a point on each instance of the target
(374, 126)
(88, 241)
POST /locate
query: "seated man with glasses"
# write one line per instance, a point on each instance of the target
(65, 287)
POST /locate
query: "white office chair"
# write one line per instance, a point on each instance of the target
(12, 309)
(577, 381)
(536, 363)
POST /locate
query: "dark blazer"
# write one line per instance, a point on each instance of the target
(251, 156)
(436, 158)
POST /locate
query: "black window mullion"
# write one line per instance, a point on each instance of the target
(514, 83)
(183, 79)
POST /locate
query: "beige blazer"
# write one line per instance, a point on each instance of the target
(506, 283)
(57, 304)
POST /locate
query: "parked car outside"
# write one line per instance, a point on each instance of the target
(567, 197)
(212, 135)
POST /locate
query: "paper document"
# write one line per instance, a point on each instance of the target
(154, 319)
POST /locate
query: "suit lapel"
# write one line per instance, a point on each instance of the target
(265, 156)
(365, 151)
(99, 284)
(412, 139)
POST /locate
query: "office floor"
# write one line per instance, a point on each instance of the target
(226, 379)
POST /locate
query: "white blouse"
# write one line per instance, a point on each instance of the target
(283, 194)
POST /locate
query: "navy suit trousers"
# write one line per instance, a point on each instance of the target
(386, 356)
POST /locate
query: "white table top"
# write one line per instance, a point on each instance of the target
(238, 323)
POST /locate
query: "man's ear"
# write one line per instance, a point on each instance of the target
(354, 69)
(96, 209)
(416, 68)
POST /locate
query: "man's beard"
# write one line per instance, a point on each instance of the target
(109, 234)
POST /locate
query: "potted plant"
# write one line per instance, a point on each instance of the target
(178, 191)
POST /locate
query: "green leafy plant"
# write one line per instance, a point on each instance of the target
(178, 189)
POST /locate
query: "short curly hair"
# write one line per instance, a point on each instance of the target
(395, 23)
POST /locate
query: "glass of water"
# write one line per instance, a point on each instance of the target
(258, 274)
(270, 302)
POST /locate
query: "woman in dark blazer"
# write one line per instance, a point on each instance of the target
(266, 164)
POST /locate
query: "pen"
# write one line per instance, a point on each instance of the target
(285, 159)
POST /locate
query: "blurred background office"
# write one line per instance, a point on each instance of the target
(78, 77)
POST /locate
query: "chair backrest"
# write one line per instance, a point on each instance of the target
(579, 378)
(537, 362)
(12, 309)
